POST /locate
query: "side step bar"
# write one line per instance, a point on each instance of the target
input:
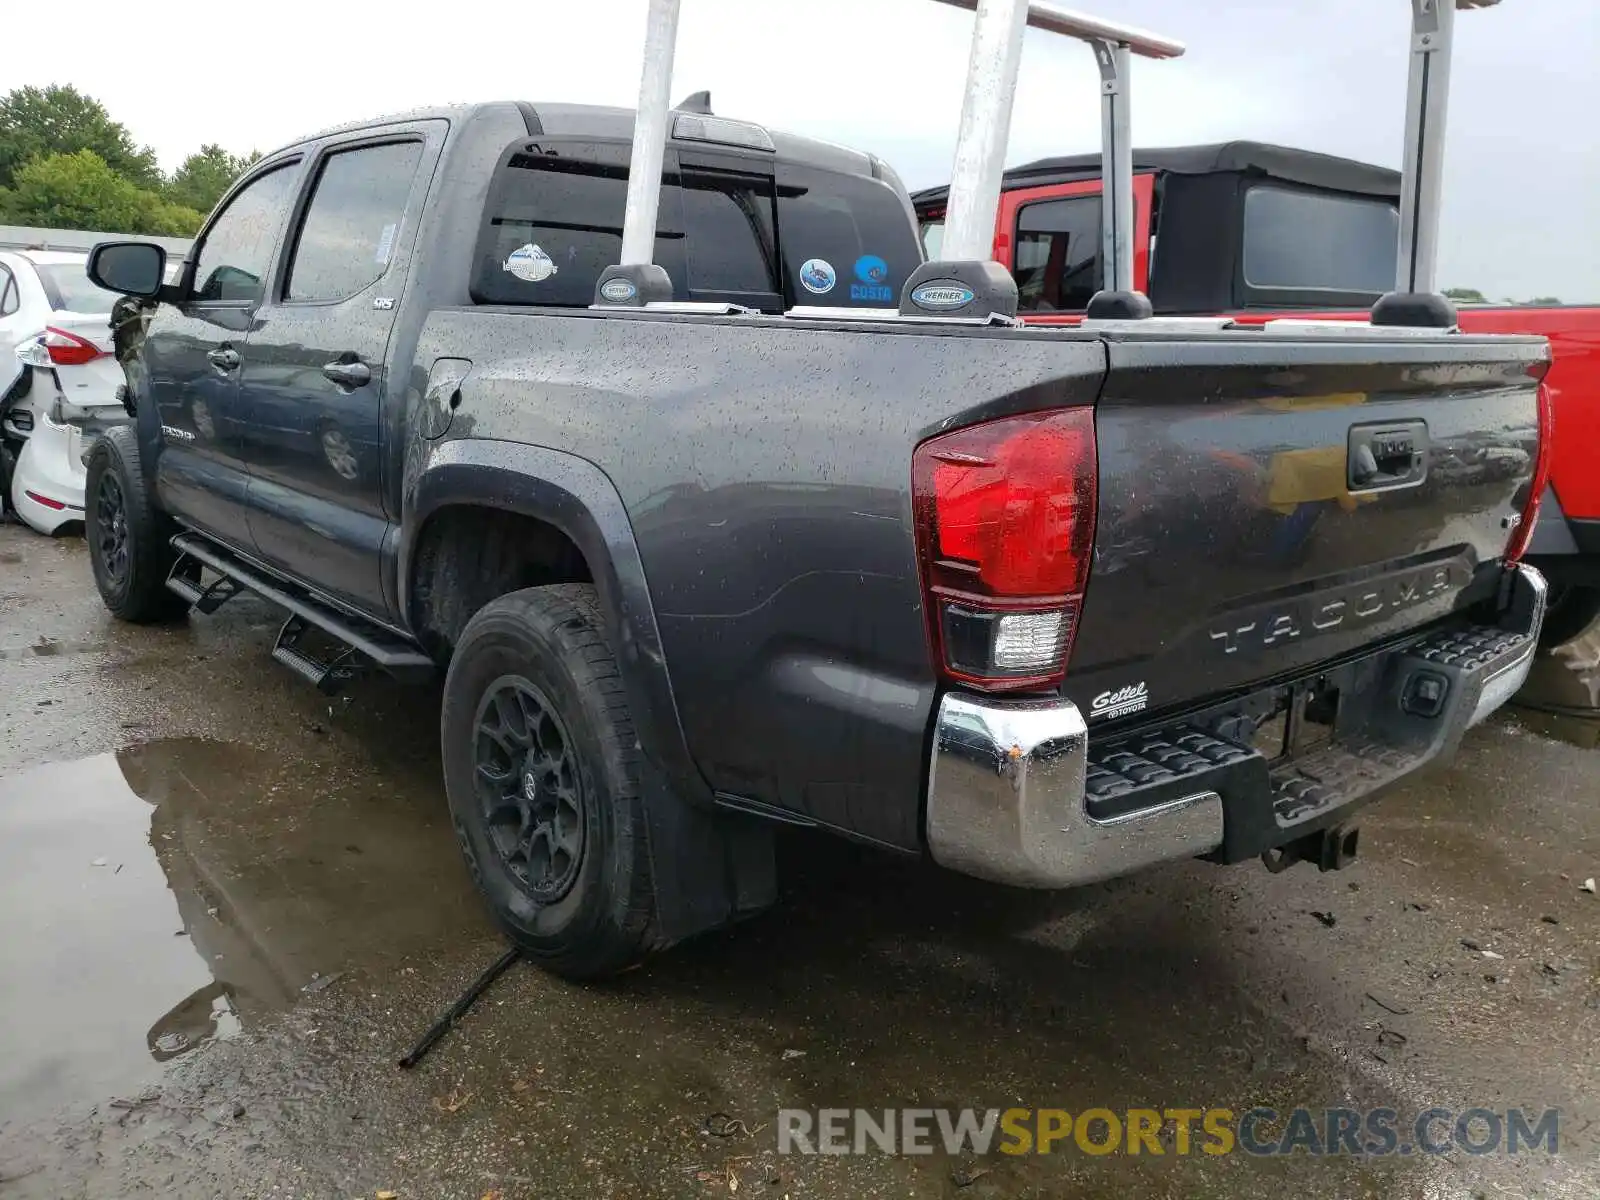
(384, 650)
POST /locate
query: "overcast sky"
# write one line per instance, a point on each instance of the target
(1522, 205)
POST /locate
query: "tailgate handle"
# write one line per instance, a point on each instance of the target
(1387, 456)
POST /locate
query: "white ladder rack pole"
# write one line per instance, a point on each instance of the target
(1116, 165)
(992, 83)
(1433, 26)
(984, 129)
(650, 134)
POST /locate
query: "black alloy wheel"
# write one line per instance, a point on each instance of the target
(527, 787)
(111, 513)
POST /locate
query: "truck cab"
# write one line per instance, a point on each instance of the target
(276, 377)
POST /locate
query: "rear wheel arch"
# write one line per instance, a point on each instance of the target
(534, 516)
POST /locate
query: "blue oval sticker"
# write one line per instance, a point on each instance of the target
(817, 276)
(618, 291)
(942, 295)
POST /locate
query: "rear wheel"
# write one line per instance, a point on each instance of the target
(129, 538)
(542, 772)
(1570, 612)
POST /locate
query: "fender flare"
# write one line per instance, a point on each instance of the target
(579, 499)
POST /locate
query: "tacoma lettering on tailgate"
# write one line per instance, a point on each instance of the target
(1344, 608)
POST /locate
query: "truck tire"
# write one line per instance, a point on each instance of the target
(541, 766)
(1572, 610)
(130, 540)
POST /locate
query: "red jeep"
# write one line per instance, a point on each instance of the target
(1255, 231)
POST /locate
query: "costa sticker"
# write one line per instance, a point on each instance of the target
(872, 280)
(529, 263)
(817, 276)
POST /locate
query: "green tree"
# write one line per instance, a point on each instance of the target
(1545, 301)
(1466, 295)
(37, 122)
(81, 191)
(205, 175)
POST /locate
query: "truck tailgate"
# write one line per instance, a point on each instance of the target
(1292, 500)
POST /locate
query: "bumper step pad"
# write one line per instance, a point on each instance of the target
(1381, 735)
(1325, 778)
(1473, 649)
(1160, 759)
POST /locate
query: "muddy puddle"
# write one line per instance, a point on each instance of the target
(176, 892)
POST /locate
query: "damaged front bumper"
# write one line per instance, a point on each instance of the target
(1017, 794)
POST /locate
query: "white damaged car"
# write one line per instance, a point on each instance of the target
(58, 382)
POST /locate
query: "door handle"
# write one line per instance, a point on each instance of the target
(348, 374)
(224, 358)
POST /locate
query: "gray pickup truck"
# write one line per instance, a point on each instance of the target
(786, 545)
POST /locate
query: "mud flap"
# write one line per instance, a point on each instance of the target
(709, 868)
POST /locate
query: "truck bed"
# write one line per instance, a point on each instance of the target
(765, 465)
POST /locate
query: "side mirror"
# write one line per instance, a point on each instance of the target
(128, 268)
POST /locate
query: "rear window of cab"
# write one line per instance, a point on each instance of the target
(769, 235)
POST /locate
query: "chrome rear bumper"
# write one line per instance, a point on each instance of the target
(1008, 779)
(1006, 801)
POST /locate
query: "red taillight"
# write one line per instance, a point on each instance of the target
(1518, 544)
(68, 349)
(1005, 529)
(44, 500)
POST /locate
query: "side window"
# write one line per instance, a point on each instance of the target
(1303, 239)
(727, 222)
(9, 300)
(1057, 261)
(347, 236)
(238, 246)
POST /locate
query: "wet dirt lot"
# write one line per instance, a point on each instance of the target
(227, 906)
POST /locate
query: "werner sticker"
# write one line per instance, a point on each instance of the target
(529, 263)
(817, 276)
(872, 280)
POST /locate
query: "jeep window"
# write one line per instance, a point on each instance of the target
(1057, 259)
(932, 237)
(347, 237)
(1301, 239)
(238, 246)
(855, 234)
(9, 303)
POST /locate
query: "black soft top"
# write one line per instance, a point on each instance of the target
(1248, 158)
